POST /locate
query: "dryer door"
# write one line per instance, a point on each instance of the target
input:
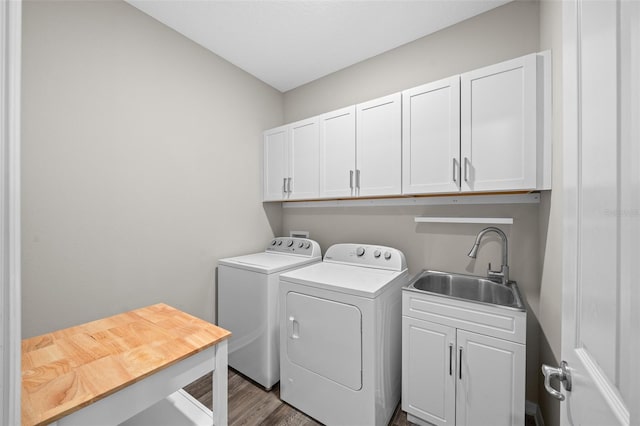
(325, 337)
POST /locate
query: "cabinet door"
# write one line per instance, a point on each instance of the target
(276, 163)
(338, 153)
(304, 137)
(428, 371)
(379, 147)
(491, 381)
(499, 126)
(431, 138)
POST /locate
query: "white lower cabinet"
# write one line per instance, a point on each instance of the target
(454, 376)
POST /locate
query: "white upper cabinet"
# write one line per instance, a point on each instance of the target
(431, 138)
(291, 161)
(499, 126)
(338, 153)
(276, 163)
(487, 130)
(304, 138)
(379, 147)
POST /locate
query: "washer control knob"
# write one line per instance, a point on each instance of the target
(280, 242)
(274, 242)
(300, 244)
(387, 255)
(376, 254)
(307, 245)
(360, 251)
(289, 243)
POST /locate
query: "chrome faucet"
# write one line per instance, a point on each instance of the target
(502, 275)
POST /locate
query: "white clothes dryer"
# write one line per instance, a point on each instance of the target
(248, 304)
(340, 335)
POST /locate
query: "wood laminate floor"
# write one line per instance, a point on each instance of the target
(250, 404)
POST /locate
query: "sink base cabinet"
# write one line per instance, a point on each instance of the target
(452, 376)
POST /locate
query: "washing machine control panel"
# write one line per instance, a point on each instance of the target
(297, 246)
(367, 255)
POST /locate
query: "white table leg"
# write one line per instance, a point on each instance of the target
(219, 385)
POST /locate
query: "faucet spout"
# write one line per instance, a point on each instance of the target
(503, 274)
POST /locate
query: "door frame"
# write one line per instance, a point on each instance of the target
(10, 301)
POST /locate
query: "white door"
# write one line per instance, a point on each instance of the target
(338, 153)
(379, 146)
(498, 126)
(601, 160)
(429, 371)
(491, 381)
(431, 138)
(276, 163)
(304, 138)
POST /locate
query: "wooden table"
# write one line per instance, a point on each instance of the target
(128, 366)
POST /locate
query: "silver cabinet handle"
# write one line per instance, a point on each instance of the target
(466, 169)
(455, 175)
(562, 373)
(451, 359)
(460, 363)
(289, 185)
(284, 185)
(351, 179)
(357, 178)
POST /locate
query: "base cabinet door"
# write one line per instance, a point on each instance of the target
(491, 381)
(428, 373)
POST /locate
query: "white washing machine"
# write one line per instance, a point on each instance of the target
(340, 335)
(248, 304)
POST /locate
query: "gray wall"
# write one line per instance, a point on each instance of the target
(503, 33)
(141, 164)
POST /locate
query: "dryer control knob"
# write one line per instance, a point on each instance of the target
(300, 244)
(289, 243)
(360, 251)
(387, 255)
(307, 245)
(280, 242)
(274, 242)
(376, 254)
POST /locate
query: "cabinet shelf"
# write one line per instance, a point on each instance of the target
(487, 220)
(526, 198)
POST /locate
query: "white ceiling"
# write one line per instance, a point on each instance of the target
(287, 43)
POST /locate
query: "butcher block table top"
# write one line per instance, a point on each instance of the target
(69, 369)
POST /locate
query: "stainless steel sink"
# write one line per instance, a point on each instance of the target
(468, 287)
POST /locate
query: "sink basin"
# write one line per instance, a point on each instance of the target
(468, 287)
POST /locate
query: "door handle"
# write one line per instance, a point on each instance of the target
(294, 328)
(451, 359)
(455, 175)
(562, 373)
(466, 169)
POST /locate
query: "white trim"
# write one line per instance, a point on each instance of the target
(530, 198)
(488, 220)
(10, 66)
